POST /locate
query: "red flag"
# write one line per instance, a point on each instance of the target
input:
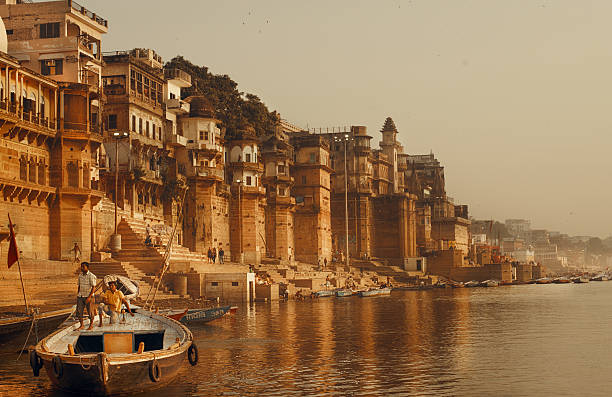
(13, 253)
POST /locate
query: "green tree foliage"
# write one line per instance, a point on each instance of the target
(232, 107)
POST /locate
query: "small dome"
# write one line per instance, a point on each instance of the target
(3, 38)
(200, 106)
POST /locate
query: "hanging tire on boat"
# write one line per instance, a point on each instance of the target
(58, 367)
(35, 363)
(192, 354)
(154, 371)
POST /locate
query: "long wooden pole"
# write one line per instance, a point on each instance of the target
(23, 288)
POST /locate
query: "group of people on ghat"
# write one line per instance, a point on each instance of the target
(109, 302)
(212, 255)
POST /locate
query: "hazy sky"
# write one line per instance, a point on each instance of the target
(514, 96)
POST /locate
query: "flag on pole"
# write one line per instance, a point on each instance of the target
(13, 253)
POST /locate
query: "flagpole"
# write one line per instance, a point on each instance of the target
(23, 288)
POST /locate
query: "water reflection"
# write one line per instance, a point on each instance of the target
(524, 340)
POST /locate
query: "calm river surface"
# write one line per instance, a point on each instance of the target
(507, 341)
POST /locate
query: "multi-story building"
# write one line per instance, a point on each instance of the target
(278, 155)
(247, 215)
(50, 141)
(518, 227)
(133, 83)
(312, 186)
(202, 161)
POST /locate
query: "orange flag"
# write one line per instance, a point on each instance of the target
(13, 253)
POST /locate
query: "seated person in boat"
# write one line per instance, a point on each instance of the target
(111, 303)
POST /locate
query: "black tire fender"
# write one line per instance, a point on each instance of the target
(58, 367)
(35, 363)
(155, 371)
(192, 354)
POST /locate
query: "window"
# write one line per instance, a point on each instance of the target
(153, 131)
(205, 135)
(281, 169)
(133, 123)
(214, 283)
(51, 67)
(247, 157)
(234, 283)
(303, 180)
(248, 181)
(112, 121)
(139, 125)
(201, 135)
(172, 96)
(312, 157)
(9, 31)
(147, 129)
(49, 30)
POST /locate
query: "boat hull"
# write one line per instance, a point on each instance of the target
(123, 378)
(14, 331)
(204, 315)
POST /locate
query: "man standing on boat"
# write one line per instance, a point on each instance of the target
(87, 284)
(111, 303)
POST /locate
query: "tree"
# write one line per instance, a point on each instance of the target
(232, 107)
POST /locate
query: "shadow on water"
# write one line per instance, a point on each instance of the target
(522, 340)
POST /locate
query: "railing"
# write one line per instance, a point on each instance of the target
(29, 117)
(178, 104)
(209, 171)
(178, 74)
(84, 11)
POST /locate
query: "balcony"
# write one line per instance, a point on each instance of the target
(176, 105)
(176, 140)
(209, 172)
(178, 77)
(204, 146)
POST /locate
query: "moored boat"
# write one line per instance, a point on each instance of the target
(15, 329)
(341, 293)
(133, 355)
(375, 292)
(324, 293)
(562, 280)
(472, 284)
(489, 283)
(200, 315)
(600, 277)
(580, 280)
(543, 280)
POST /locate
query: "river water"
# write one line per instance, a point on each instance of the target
(509, 341)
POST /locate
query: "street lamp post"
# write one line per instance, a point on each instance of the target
(346, 222)
(240, 255)
(115, 240)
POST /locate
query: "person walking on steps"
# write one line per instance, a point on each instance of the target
(221, 254)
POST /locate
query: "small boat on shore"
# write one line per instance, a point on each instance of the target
(134, 355)
(324, 293)
(562, 280)
(543, 280)
(200, 315)
(15, 329)
(472, 284)
(375, 292)
(580, 280)
(600, 277)
(489, 283)
(341, 293)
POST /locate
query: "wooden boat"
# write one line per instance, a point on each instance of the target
(600, 277)
(324, 293)
(15, 329)
(543, 280)
(458, 285)
(580, 280)
(134, 355)
(489, 283)
(344, 293)
(375, 292)
(561, 280)
(201, 315)
(472, 284)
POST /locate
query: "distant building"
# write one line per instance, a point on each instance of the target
(518, 227)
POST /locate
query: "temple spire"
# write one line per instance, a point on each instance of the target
(389, 126)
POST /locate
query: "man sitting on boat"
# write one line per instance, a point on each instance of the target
(111, 303)
(87, 284)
